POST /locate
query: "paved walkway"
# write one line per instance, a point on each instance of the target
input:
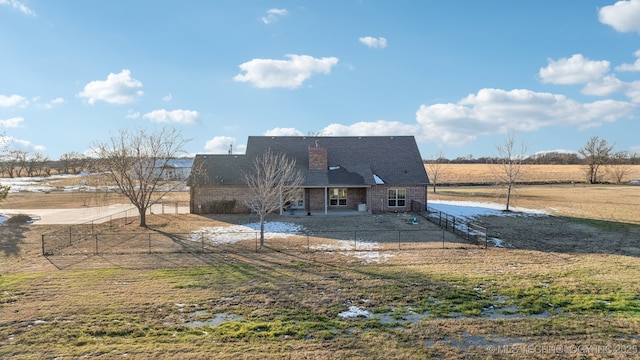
(73, 216)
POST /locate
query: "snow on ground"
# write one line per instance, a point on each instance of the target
(470, 210)
(47, 184)
(361, 249)
(355, 312)
(275, 229)
(235, 233)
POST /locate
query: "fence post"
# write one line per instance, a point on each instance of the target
(149, 243)
(453, 227)
(443, 238)
(486, 238)
(42, 236)
(399, 239)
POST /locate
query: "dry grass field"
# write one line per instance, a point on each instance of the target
(485, 173)
(618, 203)
(565, 287)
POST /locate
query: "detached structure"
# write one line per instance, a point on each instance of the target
(369, 173)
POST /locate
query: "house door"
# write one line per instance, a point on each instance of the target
(298, 202)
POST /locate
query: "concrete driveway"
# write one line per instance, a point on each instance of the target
(87, 214)
(74, 216)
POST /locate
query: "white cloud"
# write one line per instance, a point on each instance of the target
(374, 42)
(173, 116)
(623, 16)
(167, 98)
(283, 132)
(119, 88)
(131, 114)
(273, 15)
(11, 123)
(13, 100)
(496, 111)
(223, 144)
(604, 86)
(374, 128)
(574, 70)
(633, 91)
(631, 67)
(51, 104)
(269, 73)
(19, 144)
(18, 5)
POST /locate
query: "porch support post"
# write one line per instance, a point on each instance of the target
(326, 195)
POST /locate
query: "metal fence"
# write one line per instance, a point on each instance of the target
(54, 242)
(462, 227)
(154, 242)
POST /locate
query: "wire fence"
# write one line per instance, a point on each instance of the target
(155, 242)
(54, 242)
(461, 227)
(104, 236)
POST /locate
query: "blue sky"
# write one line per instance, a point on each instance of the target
(458, 75)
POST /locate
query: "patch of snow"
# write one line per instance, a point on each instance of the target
(472, 209)
(235, 233)
(364, 250)
(496, 242)
(378, 180)
(3, 219)
(355, 312)
(334, 167)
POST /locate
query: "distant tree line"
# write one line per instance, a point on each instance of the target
(19, 163)
(547, 158)
(597, 157)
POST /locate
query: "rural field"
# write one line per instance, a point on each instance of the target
(562, 286)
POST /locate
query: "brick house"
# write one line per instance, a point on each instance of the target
(367, 173)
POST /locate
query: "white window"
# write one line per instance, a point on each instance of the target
(338, 196)
(298, 202)
(397, 197)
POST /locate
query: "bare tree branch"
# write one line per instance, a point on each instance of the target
(510, 168)
(273, 181)
(596, 153)
(136, 162)
(435, 168)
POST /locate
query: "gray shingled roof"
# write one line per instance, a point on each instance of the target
(352, 160)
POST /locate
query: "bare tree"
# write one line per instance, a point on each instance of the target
(596, 153)
(71, 162)
(273, 181)
(435, 168)
(510, 167)
(15, 161)
(619, 165)
(135, 162)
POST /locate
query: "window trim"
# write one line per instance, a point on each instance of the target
(340, 198)
(394, 197)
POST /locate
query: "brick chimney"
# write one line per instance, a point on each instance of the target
(318, 158)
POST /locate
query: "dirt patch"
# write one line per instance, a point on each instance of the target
(563, 235)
